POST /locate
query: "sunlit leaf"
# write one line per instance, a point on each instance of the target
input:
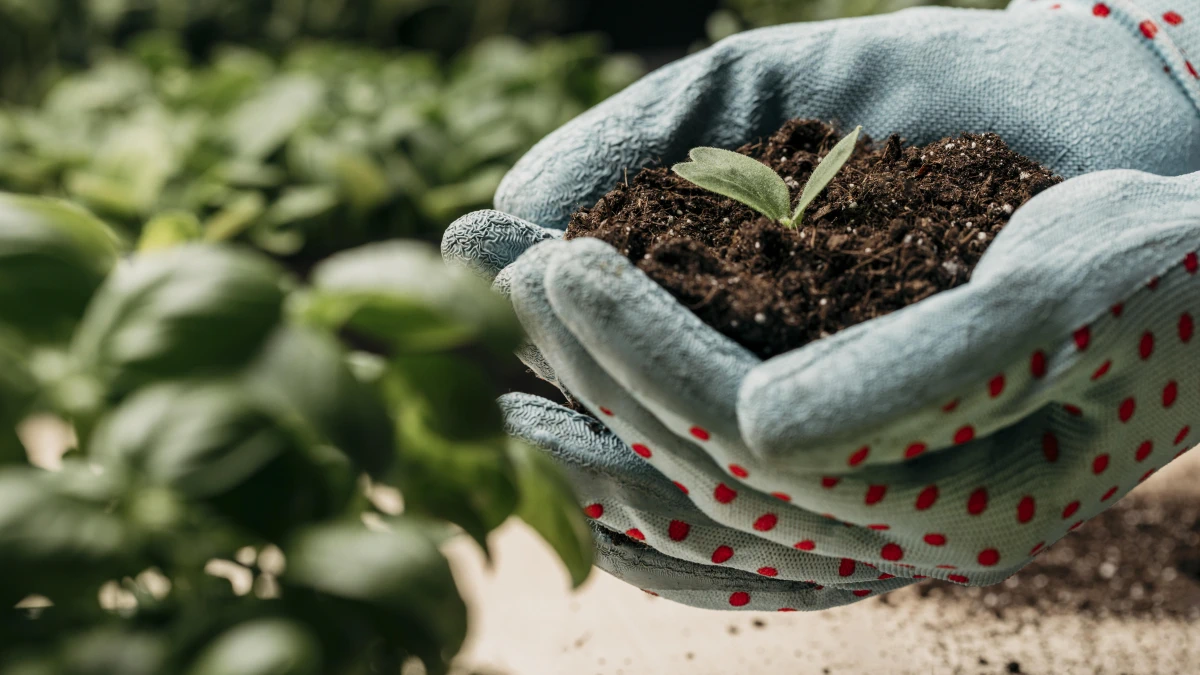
(401, 293)
(744, 179)
(191, 310)
(263, 647)
(53, 257)
(398, 578)
(548, 505)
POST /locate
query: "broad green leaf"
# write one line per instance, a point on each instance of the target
(169, 229)
(470, 484)
(262, 647)
(260, 125)
(234, 217)
(111, 650)
(449, 395)
(399, 580)
(400, 292)
(53, 257)
(188, 311)
(300, 203)
(548, 505)
(738, 177)
(302, 375)
(57, 541)
(213, 443)
(825, 173)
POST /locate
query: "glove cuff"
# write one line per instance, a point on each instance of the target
(1171, 28)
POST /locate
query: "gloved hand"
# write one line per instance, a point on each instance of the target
(826, 464)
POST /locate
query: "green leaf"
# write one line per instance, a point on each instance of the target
(169, 229)
(400, 292)
(110, 650)
(59, 541)
(188, 311)
(53, 257)
(234, 217)
(548, 505)
(302, 375)
(262, 124)
(262, 647)
(738, 177)
(825, 173)
(212, 443)
(447, 395)
(397, 579)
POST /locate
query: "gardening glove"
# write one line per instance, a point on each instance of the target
(825, 441)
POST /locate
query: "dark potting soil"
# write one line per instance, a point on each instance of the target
(895, 226)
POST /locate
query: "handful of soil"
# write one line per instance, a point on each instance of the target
(895, 226)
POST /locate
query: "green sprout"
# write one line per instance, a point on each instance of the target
(754, 184)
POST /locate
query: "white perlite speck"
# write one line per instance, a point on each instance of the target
(1008, 209)
(760, 318)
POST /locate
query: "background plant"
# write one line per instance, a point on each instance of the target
(226, 430)
(332, 147)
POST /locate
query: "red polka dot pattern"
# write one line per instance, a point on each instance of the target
(859, 456)
(1175, 19)
(678, 530)
(724, 494)
(977, 503)
(1170, 393)
(635, 533)
(915, 450)
(1149, 29)
(1101, 10)
(766, 522)
(700, 433)
(935, 539)
(846, 567)
(1125, 411)
(1070, 510)
(1102, 370)
(739, 599)
(1025, 509)
(964, 435)
(875, 494)
(768, 571)
(1037, 365)
(1050, 446)
(722, 554)
(593, 511)
(1143, 451)
(829, 482)
(1146, 345)
(1100, 464)
(642, 450)
(1082, 337)
(806, 545)
(989, 557)
(738, 471)
(927, 498)
(996, 386)
(891, 552)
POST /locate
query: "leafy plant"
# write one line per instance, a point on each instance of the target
(224, 424)
(754, 184)
(330, 147)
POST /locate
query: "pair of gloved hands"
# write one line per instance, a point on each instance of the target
(954, 439)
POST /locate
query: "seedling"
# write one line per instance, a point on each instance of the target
(754, 184)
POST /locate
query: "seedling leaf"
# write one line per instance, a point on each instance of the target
(739, 177)
(824, 173)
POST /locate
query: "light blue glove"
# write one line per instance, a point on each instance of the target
(953, 439)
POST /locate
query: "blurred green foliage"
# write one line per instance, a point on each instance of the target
(40, 37)
(738, 15)
(332, 147)
(224, 423)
